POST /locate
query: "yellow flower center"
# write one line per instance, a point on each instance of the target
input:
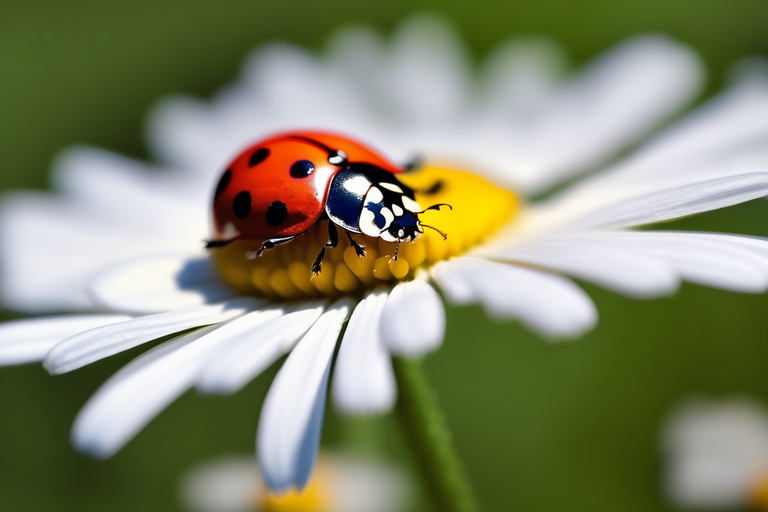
(316, 496)
(284, 272)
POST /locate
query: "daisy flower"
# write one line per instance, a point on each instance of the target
(124, 239)
(340, 483)
(717, 454)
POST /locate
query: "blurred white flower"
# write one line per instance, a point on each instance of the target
(716, 454)
(123, 237)
(341, 483)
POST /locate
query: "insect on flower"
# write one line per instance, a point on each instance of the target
(278, 188)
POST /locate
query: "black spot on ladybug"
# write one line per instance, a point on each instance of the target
(242, 204)
(223, 182)
(277, 213)
(258, 156)
(302, 169)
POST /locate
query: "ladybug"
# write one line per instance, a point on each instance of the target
(278, 188)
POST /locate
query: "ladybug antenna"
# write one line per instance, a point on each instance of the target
(414, 164)
(435, 207)
(445, 237)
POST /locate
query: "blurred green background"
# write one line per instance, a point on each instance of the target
(540, 427)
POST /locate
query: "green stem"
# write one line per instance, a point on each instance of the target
(430, 439)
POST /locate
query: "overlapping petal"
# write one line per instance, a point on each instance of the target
(143, 388)
(29, 340)
(363, 380)
(592, 260)
(233, 366)
(292, 414)
(549, 304)
(413, 320)
(711, 158)
(646, 264)
(89, 346)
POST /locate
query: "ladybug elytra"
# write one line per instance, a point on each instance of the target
(278, 188)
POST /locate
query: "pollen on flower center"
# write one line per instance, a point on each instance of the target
(479, 209)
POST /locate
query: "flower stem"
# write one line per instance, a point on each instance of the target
(430, 439)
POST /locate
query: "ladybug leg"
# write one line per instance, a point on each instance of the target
(333, 241)
(397, 248)
(359, 248)
(213, 244)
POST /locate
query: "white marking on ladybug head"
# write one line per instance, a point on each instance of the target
(411, 205)
(357, 185)
(388, 217)
(401, 233)
(338, 158)
(375, 219)
(387, 236)
(392, 187)
(367, 226)
(397, 210)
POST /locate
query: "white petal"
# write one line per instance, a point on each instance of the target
(122, 189)
(716, 453)
(428, 73)
(549, 304)
(103, 425)
(363, 380)
(358, 53)
(456, 288)
(95, 344)
(161, 284)
(591, 259)
(28, 340)
(282, 88)
(721, 261)
(720, 140)
(379, 486)
(231, 483)
(138, 392)
(240, 362)
(756, 244)
(615, 100)
(51, 248)
(722, 126)
(178, 133)
(286, 87)
(413, 320)
(520, 75)
(291, 416)
(678, 202)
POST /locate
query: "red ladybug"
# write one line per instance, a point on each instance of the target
(280, 187)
